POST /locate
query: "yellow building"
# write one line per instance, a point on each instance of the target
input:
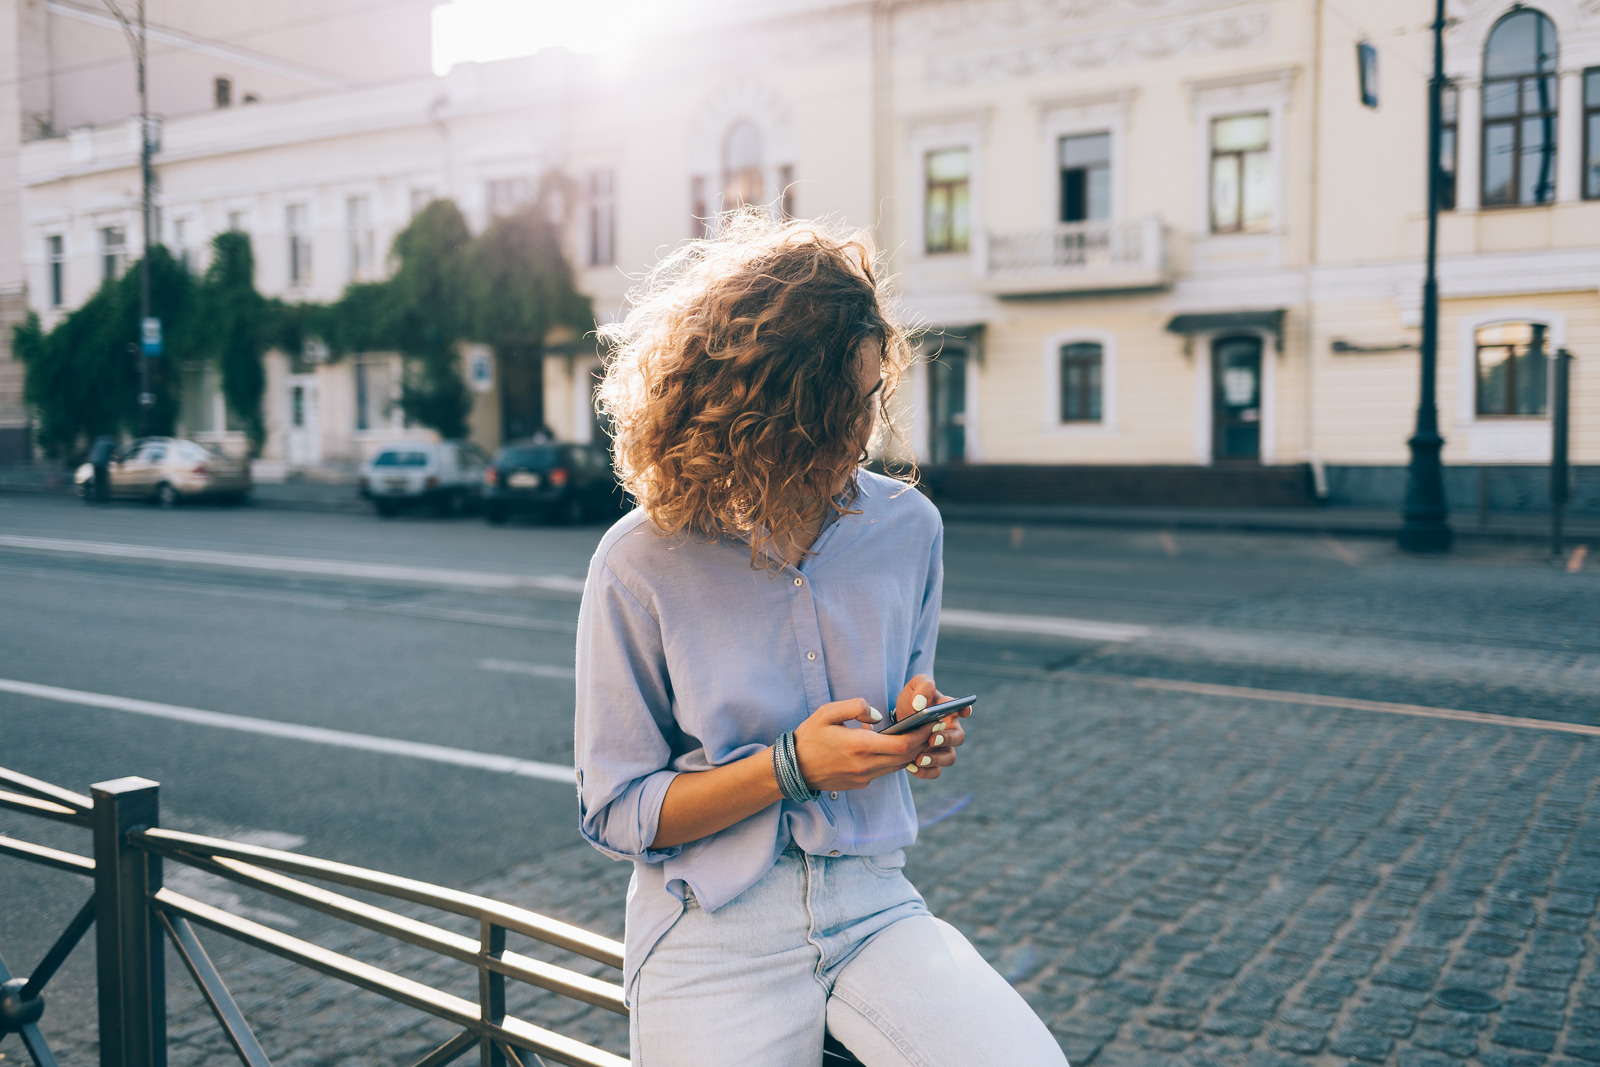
(1163, 248)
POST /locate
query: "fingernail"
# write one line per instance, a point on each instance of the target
(938, 739)
(925, 760)
(938, 727)
(911, 768)
(877, 716)
(919, 702)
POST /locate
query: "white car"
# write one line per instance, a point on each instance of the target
(442, 475)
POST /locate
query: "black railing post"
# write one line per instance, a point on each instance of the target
(130, 955)
(491, 989)
(1559, 490)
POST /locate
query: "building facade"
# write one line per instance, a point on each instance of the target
(1164, 238)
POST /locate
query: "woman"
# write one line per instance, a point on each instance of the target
(738, 634)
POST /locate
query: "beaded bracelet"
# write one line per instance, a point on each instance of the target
(786, 768)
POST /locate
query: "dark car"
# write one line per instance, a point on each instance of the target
(565, 482)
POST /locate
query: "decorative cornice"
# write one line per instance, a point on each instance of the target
(925, 24)
(1145, 42)
(1115, 104)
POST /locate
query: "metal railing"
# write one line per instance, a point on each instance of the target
(132, 910)
(1079, 255)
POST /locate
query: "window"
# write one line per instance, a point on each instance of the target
(600, 218)
(1591, 134)
(742, 179)
(359, 238)
(55, 255)
(296, 223)
(113, 252)
(181, 244)
(375, 395)
(508, 194)
(238, 222)
(947, 211)
(1519, 111)
(1082, 375)
(700, 220)
(786, 205)
(224, 92)
(1513, 369)
(1449, 103)
(1086, 177)
(421, 198)
(1241, 174)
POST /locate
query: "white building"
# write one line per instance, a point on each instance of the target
(1162, 238)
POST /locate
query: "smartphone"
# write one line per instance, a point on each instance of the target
(928, 714)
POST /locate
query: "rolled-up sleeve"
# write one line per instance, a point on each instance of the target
(623, 721)
(925, 635)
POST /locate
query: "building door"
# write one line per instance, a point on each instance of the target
(947, 406)
(302, 446)
(521, 392)
(1236, 399)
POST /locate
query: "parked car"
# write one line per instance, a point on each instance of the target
(169, 470)
(441, 475)
(565, 482)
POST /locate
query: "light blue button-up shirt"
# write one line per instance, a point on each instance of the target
(689, 659)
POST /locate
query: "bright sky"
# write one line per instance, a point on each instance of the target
(484, 30)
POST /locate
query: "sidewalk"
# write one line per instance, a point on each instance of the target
(1316, 521)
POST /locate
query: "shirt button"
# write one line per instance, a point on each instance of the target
(833, 796)
(811, 655)
(799, 581)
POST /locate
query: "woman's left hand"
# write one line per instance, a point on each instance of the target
(936, 742)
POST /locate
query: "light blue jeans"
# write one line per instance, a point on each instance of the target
(845, 944)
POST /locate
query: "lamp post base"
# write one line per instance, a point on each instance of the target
(1424, 527)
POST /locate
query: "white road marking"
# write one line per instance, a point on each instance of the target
(390, 572)
(537, 670)
(549, 772)
(1048, 625)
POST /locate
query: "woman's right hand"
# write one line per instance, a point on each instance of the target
(836, 756)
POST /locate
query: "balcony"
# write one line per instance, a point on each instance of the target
(1078, 257)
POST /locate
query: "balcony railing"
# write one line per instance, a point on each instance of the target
(1078, 257)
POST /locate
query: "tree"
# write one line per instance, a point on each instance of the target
(238, 326)
(82, 378)
(522, 287)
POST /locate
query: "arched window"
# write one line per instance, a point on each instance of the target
(1519, 110)
(742, 179)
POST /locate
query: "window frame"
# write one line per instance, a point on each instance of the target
(299, 243)
(600, 216)
(55, 265)
(1266, 152)
(1478, 413)
(113, 263)
(1549, 115)
(929, 184)
(1589, 162)
(1497, 439)
(361, 237)
(1060, 138)
(1054, 346)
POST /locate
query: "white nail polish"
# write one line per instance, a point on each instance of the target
(938, 727)
(877, 716)
(926, 760)
(938, 739)
(911, 768)
(919, 702)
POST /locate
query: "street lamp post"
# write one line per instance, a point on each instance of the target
(135, 31)
(1425, 527)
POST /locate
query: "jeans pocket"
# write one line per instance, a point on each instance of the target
(888, 865)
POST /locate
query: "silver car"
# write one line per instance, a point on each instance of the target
(169, 470)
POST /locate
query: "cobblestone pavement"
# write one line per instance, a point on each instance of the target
(1168, 879)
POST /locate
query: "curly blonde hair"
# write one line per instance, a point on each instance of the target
(733, 383)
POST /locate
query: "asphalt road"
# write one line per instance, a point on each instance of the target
(134, 602)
